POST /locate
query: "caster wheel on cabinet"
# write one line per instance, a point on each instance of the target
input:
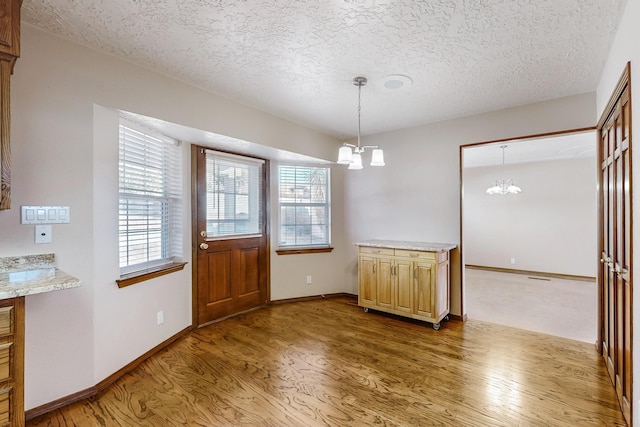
(366, 309)
(446, 317)
(436, 326)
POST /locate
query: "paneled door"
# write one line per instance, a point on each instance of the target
(614, 237)
(230, 234)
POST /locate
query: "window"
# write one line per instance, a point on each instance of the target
(304, 203)
(150, 226)
(234, 195)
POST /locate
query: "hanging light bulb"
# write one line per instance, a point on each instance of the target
(356, 161)
(377, 157)
(344, 155)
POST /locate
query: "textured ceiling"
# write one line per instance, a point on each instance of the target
(296, 59)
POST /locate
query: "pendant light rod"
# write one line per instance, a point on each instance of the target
(359, 81)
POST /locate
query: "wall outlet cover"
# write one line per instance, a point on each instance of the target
(43, 234)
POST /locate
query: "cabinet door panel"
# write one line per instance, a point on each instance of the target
(423, 284)
(404, 273)
(385, 282)
(367, 286)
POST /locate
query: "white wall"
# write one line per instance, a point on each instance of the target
(625, 49)
(289, 279)
(550, 227)
(417, 195)
(64, 142)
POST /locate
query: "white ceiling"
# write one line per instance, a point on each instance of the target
(565, 146)
(296, 59)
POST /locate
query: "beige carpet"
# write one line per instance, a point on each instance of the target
(560, 307)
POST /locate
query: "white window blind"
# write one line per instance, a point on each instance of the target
(234, 195)
(150, 230)
(304, 202)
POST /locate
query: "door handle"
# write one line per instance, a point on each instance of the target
(204, 246)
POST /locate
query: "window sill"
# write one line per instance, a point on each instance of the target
(297, 251)
(150, 273)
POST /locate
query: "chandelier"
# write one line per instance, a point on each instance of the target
(504, 186)
(354, 158)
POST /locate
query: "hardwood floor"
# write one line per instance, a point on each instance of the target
(326, 362)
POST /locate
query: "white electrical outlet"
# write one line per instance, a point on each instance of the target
(308, 280)
(513, 260)
(160, 317)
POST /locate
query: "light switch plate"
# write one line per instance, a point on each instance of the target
(43, 234)
(45, 215)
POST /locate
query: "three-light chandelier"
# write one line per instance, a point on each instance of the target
(354, 158)
(504, 185)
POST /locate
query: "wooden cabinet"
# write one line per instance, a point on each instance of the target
(9, 53)
(411, 283)
(20, 276)
(12, 362)
(10, 29)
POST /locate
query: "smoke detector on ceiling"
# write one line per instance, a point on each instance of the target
(394, 82)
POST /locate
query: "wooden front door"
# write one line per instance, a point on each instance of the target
(614, 224)
(230, 234)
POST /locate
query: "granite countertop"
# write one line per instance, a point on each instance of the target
(32, 274)
(412, 246)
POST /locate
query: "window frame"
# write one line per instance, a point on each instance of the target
(304, 248)
(171, 199)
(255, 194)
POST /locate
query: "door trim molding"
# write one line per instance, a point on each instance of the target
(461, 148)
(624, 81)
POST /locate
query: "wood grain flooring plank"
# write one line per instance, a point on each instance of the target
(327, 363)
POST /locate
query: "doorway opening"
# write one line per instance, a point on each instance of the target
(528, 257)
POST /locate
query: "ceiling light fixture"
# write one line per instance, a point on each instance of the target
(354, 159)
(504, 186)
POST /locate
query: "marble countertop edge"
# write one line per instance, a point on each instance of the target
(32, 274)
(408, 245)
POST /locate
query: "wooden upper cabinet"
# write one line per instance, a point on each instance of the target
(9, 52)
(10, 29)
